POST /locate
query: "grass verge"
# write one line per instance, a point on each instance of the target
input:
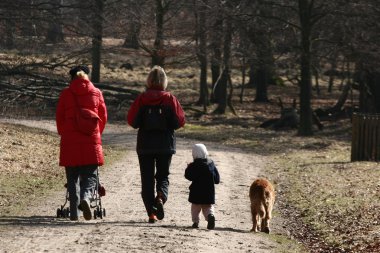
(29, 167)
(330, 203)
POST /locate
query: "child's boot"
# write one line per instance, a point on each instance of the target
(210, 221)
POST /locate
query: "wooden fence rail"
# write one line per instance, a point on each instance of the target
(365, 137)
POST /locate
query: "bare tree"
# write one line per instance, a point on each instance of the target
(200, 8)
(262, 63)
(55, 27)
(364, 41)
(132, 40)
(222, 84)
(158, 57)
(309, 13)
(165, 13)
(216, 37)
(97, 37)
(306, 25)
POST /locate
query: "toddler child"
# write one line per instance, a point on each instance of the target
(203, 174)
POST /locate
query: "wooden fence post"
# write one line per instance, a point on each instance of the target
(365, 144)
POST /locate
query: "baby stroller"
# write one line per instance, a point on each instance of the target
(95, 201)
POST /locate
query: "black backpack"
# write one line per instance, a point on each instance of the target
(153, 117)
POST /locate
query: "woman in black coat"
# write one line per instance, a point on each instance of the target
(157, 114)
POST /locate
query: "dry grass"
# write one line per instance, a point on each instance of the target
(29, 166)
(336, 198)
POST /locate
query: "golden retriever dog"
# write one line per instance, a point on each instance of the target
(261, 194)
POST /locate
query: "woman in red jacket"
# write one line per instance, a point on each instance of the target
(80, 152)
(156, 113)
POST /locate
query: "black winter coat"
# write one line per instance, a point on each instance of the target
(204, 175)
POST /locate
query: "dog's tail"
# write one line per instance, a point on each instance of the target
(258, 195)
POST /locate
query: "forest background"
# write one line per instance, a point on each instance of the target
(228, 62)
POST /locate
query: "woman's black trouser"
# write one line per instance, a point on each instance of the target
(154, 171)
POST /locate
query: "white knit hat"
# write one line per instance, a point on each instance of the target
(200, 151)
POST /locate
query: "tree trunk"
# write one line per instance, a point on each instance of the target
(230, 95)
(203, 96)
(261, 81)
(332, 75)
(216, 58)
(343, 97)
(251, 73)
(305, 127)
(221, 92)
(28, 26)
(243, 70)
(158, 57)
(202, 54)
(55, 33)
(9, 38)
(262, 64)
(97, 38)
(215, 73)
(55, 29)
(316, 78)
(265, 67)
(221, 88)
(132, 40)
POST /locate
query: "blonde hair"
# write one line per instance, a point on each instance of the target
(81, 74)
(157, 78)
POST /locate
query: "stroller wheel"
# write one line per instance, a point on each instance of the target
(66, 213)
(98, 212)
(104, 212)
(59, 213)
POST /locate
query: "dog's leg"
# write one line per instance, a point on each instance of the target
(259, 220)
(265, 225)
(254, 219)
(268, 215)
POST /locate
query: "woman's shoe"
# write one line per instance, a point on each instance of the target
(152, 218)
(86, 209)
(159, 209)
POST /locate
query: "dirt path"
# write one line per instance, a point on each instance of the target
(125, 229)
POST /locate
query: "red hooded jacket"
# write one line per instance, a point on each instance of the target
(76, 148)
